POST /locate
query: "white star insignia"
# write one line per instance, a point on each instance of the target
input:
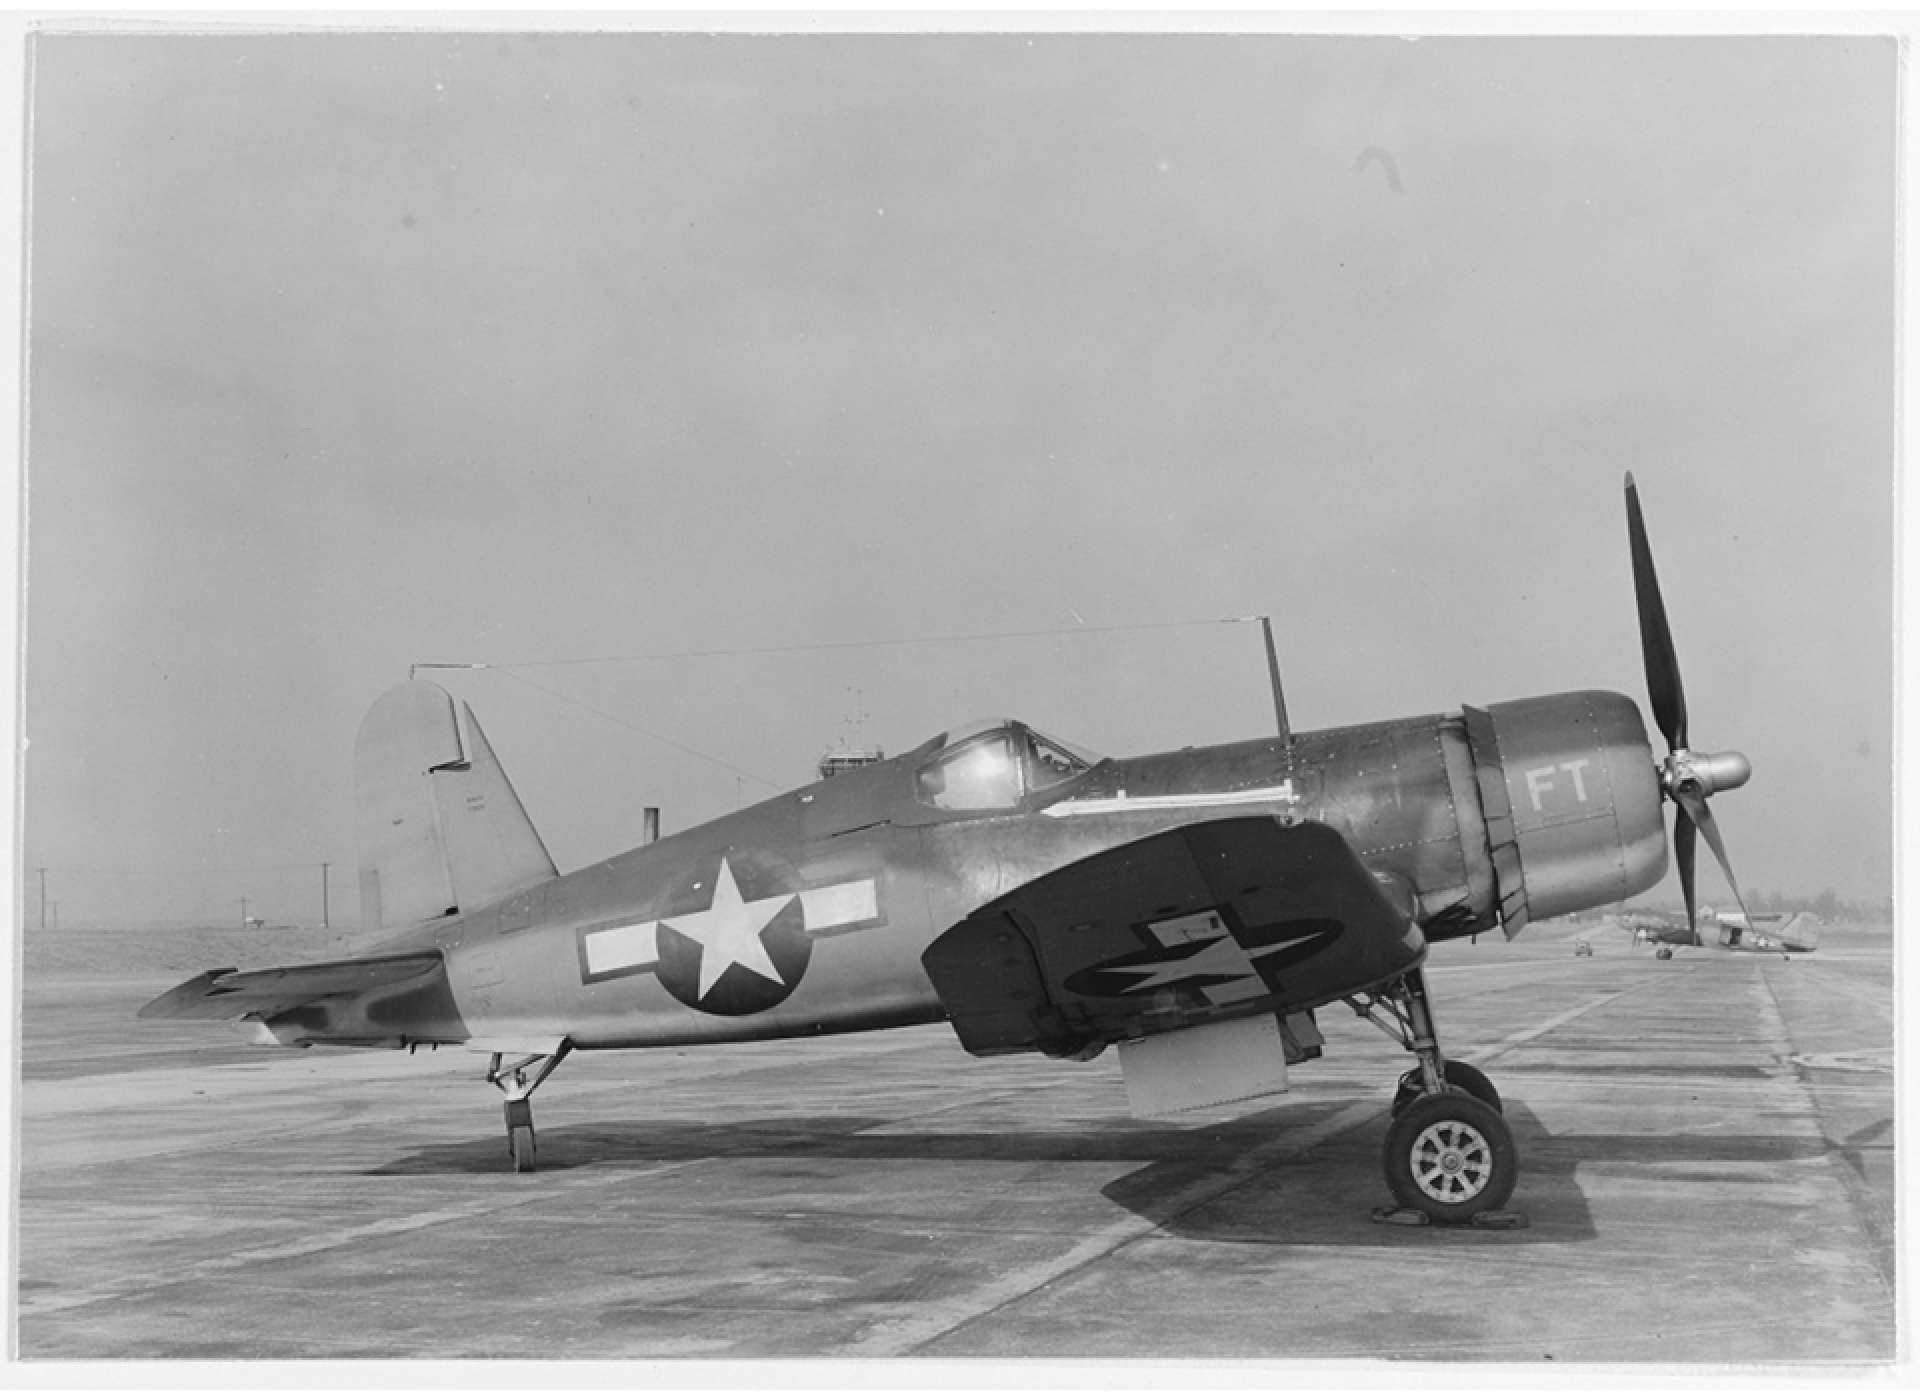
(728, 931)
(1221, 958)
(1224, 957)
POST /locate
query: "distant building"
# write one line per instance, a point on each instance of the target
(847, 758)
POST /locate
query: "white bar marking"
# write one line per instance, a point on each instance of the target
(1188, 928)
(629, 945)
(855, 902)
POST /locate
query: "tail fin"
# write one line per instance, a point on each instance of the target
(441, 828)
(1801, 933)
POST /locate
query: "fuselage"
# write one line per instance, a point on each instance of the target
(1776, 933)
(809, 913)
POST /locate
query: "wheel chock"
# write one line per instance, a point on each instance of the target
(1390, 1215)
(1485, 1220)
(1499, 1220)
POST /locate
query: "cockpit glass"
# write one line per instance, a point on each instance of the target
(1053, 762)
(974, 776)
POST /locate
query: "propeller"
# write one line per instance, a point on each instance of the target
(1686, 776)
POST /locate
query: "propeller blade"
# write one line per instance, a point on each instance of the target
(1656, 638)
(1683, 858)
(1695, 807)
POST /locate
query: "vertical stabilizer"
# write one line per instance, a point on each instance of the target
(492, 849)
(441, 827)
(407, 733)
(1800, 934)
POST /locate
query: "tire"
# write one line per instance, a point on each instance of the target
(1450, 1156)
(520, 1147)
(1665, 955)
(1459, 1075)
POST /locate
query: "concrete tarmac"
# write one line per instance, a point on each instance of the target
(1707, 1168)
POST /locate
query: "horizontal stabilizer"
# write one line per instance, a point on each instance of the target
(224, 993)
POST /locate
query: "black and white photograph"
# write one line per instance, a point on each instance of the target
(793, 692)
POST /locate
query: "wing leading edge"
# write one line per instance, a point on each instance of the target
(1203, 923)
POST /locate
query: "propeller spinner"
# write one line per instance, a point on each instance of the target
(1685, 776)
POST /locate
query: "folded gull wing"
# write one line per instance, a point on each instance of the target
(1204, 922)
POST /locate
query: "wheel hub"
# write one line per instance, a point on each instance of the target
(1451, 1161)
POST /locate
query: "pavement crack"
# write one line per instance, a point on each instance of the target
(1878, 1228)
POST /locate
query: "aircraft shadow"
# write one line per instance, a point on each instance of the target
(1229, 1181)
(844, 1138)
(1328, 1196)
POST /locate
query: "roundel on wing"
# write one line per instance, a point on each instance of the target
(1231, 955)
(1291, 941)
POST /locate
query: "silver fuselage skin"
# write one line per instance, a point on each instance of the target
(1472, 820)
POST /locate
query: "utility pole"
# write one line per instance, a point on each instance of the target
(243, 911)
(324, 922)
(43, 896)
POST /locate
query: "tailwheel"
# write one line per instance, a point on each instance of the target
(520, 1147)
(520, 1144)
(1450, 1156)
(1459, 1075)
(518, 1081)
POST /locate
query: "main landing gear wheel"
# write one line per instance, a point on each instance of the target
(1450, 1156)
(1459, 1075)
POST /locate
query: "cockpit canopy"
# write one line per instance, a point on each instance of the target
(995, 764)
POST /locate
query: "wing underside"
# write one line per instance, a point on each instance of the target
(1204, 923)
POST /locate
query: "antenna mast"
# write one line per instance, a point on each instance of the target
(1273, 674)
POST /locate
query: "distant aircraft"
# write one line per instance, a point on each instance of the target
(1194, 908)
(1734, 931)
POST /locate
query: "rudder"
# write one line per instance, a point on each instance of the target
(441, 828)
(1801, 933)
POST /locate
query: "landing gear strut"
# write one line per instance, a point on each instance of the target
(518, 1081)
(1449, 1154)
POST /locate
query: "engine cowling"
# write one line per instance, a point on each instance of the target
(1575, 818)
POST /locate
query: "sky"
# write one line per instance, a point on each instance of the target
(355, 351)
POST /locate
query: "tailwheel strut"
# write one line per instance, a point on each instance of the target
(1449, 1156)
(518, 1080)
